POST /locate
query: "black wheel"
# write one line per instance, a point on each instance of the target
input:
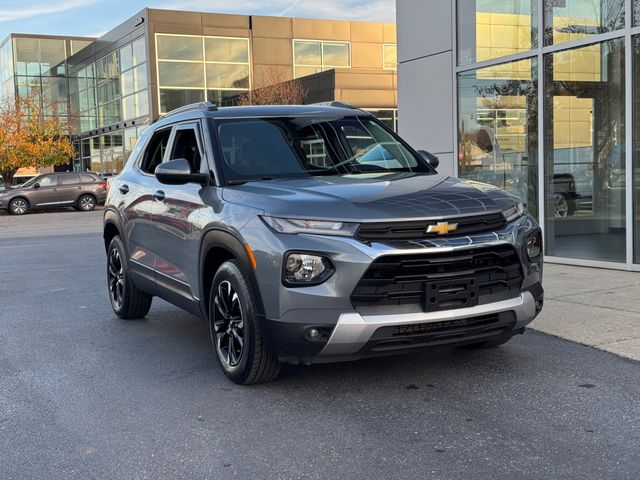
(488, 343)
(236, 332)
(86, 203)
(18, 206)
(126, 300)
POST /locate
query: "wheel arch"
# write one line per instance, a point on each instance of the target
(112, 226)
(217, 247)
(82, 194)
(20, 197)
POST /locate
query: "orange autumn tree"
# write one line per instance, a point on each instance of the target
(29, 138)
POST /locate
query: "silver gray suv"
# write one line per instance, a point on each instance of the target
(311, 234)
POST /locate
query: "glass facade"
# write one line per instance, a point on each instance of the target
(314, 56)
(568, 20)
(497, 124)
(109, 91)
(551, 125)
(197, 68)
(495, 28)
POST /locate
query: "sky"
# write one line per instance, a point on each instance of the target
(95, 17)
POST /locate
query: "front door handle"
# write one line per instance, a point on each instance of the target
(124, 189)
(159, 195)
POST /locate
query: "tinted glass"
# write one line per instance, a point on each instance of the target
(226, 50)
(567, 20)
(172, 99)
(494, 28)
(181, 74)
(281, 147)
(185, 146)
(307, 53)
(585, 152)
(154, 153)
(335, 54)
(179, 47)
(87, 179)
(227, 76)
(69, 179)
(48, 181)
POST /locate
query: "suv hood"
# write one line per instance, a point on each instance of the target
(372, 197)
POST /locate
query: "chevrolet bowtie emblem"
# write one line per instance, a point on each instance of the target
(442, 228)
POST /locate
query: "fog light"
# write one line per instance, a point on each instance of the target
(301, 269)
(314, 333)
(534, 245)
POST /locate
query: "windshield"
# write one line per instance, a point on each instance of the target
(30, 183)
(283, 147)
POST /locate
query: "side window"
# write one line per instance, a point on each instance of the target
(185, 146)
(154, 153)
(87, 179)
(48, 181)
(69, 179)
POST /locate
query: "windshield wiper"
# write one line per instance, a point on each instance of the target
(242, 181)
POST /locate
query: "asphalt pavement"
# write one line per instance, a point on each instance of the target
(85, 395)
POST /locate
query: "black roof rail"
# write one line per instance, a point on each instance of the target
(335, 103)
(193, 106)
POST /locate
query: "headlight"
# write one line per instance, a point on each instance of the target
(514, 212)
(303, 269)
(317, 227)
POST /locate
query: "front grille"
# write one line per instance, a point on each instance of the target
(463, 330)
(399, 283)
(417, 230)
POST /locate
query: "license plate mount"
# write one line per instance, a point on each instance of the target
(451, 294)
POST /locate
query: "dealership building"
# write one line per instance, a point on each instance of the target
(112, 87)
(541, 98)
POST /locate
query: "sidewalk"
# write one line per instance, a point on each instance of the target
(595, 307)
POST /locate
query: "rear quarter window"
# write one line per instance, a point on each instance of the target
(87, 179)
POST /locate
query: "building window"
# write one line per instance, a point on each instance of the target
(497, 125)
(195, 68)
(636, 148)
(388, 116)
(490, 29)
(568, 20)
(313, 56)
(585, 152)
(390, 57)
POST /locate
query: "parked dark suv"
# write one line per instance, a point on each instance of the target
(82, 191)
(309, 234)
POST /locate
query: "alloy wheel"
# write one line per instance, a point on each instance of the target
(87, 203)
(561, 207)
(228, 324)
(115, 272)
(19, 206)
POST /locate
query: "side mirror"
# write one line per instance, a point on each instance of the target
(430, 158)
(178, 172)
(36, 186)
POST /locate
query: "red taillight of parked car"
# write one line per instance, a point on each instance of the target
(104, 185)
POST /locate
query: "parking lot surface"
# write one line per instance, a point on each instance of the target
(86, 395)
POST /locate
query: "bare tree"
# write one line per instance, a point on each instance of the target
(274, 86)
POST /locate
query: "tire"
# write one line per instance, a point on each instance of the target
(236, 331)
(127, 301)
(86, 203)
(18, 206)
(487, 344)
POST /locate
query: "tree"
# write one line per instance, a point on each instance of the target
(273, 86)
(29, 138)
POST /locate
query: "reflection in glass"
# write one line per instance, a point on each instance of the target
(181, 74)
(585, 152)
(389, 57)
(224, 98)
(227, 76)
(171, 99)
(498, 120)
(226, 50)
(568, 20)
(335, 54)
(139, 52)
(636, 147)
(307, 52)
(494, 28)
(179, 47)
(126, 57)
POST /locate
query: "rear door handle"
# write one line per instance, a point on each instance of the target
(124, 189)
(159, 195)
